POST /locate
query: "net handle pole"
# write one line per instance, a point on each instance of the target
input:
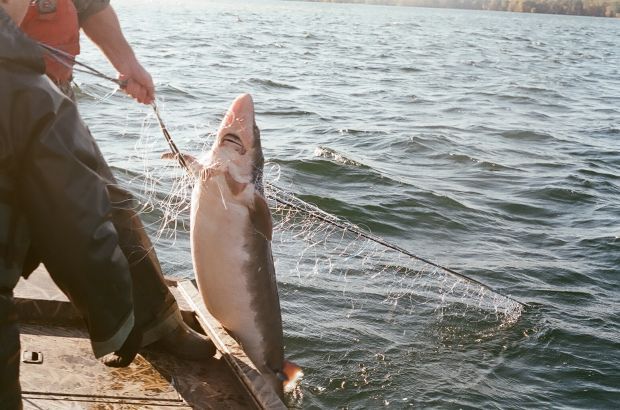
(69, 61)
(173, 147)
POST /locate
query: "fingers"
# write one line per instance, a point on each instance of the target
(139, 84)
(145, 80)
(138, 92)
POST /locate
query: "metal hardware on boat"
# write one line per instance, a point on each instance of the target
(32, 357)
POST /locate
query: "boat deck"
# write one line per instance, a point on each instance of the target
(58, 369)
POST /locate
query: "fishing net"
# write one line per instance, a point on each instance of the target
(386, 314)
(310, 237)
(311, 245)
(369, 321)
(354, 304)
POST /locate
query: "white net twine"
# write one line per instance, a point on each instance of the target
(365, 306)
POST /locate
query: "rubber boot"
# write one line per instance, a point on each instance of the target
(185, 343)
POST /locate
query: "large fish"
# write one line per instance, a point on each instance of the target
(231, 229)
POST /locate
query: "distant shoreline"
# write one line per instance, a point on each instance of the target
(592, 8)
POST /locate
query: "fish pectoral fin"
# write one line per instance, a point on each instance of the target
(261, 217)
(190, 160)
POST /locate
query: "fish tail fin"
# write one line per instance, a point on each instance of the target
(290, 374)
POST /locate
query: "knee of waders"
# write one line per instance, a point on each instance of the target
(14, 235)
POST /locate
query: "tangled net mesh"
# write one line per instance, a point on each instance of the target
(332, 246)
(371, 313)
(310, 244)
(385, 310)
(367, 293)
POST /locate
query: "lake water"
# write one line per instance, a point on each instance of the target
(487, 142)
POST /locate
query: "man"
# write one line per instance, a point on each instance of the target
(57, 23)
(54, 199)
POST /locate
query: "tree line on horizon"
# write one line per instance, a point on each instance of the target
(598, 8)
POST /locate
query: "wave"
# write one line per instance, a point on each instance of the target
(411, 69)
(466, 159)
(221, 65)
(347, 211)
(170, 89)
(310, 36)
(526, 135)
(518, 99)
(416, 99)
(607, 130)
(413, 145)
(331, 167)
(96, 91)
(549, 93)
(291, 113)
(532, 214)
(581, 331)
(356, 132)
(603, 243)
(599, 174)
(271, 84)
(332, 154)
(560, 194)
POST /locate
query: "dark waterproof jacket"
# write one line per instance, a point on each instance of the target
(50, 171)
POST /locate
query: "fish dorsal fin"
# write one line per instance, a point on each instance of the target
(261, 217)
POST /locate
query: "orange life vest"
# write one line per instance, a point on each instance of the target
(55, 23)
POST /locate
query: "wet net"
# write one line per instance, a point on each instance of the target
(333, 246)
(359, 313)
(311, 246)
(366, 319)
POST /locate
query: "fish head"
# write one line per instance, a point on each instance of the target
(237, 145)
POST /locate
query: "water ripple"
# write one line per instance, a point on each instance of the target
(271, 84)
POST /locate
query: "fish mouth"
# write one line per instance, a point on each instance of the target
(236, 141)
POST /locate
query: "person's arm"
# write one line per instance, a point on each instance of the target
(104, 29)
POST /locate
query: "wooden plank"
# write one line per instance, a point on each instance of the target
(69, 370)
(71, 378)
